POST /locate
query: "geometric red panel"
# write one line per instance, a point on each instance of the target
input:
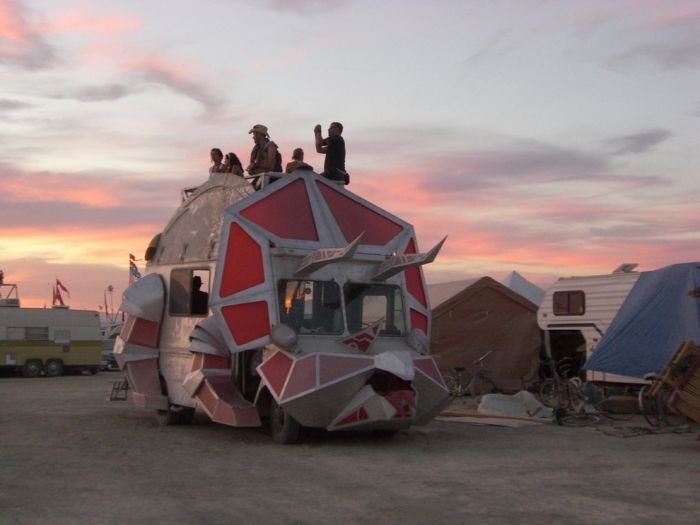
(144, 332)
(248, 321)
(275, 371)
(332, 367)
(243, 265)
(355, 417)
(414, 281)
(353, 218)
(285, 213)
(302, 378)
(429, 368)
(419, 321)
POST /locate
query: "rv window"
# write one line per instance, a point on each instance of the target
(15, 333)
(310, 307)
(189, 292)
(569, 303)
(368, 303)
(37, 333)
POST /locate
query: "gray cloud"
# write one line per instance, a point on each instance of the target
(638, 142)
(667, 44)
(26, 48)
(304, 6)
(194, 90)
(104, 92)
(9, 104)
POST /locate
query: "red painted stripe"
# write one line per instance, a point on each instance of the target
(419, 321)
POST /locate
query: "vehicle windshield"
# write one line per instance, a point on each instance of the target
(368, 303)
(311, 307)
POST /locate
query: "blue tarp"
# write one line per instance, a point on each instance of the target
(656, 317)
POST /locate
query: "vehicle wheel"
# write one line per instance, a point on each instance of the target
(481, 385)
(93, 370)
(186, 415)
(284, 428)
(54, 367)
(31, 368)
(385, 433)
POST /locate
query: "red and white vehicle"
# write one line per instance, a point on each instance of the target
(301, 303)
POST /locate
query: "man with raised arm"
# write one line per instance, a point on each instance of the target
(333, 148)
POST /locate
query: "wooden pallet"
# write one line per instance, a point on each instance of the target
(683, 375)
(120, 389)
(677, 367)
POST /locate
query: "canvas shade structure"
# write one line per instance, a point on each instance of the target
(659, 313)
(487, 316)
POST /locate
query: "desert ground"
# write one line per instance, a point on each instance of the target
(69, 456)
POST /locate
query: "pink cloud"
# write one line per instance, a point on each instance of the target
(20, 44)
(81, 22)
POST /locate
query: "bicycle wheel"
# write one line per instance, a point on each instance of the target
(649, 407)
(452, 385)
(669, 416)
(549, 393)
(579, 420)
(480, 384)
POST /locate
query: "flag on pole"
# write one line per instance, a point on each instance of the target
(57, 297)
(134, 274)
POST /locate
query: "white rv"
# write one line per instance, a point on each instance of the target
(577, 311)
(48, 340)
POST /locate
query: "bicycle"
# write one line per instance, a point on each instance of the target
(478, 383)
(653, 404)
(557, 391)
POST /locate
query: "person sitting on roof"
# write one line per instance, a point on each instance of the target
(297, 162)
(333, 148)
(216, 158)
(233, 164)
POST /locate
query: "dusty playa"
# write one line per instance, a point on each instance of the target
(69, 456)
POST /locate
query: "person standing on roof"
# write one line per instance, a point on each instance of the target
(333, 148)
(264, 154)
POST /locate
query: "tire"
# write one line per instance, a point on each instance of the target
(284, 428)
(175, 415)
(481, 385)
(93, 370)
(32, 368)
(54, 367)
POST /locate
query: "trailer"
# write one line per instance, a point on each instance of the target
(48, 341)
(301, 305)
(577, 311)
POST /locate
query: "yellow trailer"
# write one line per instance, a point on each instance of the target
(47, 340)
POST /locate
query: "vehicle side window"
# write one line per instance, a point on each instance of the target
(569, 302)
(189, 292)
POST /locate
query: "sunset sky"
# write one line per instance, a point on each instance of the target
(554, 138)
